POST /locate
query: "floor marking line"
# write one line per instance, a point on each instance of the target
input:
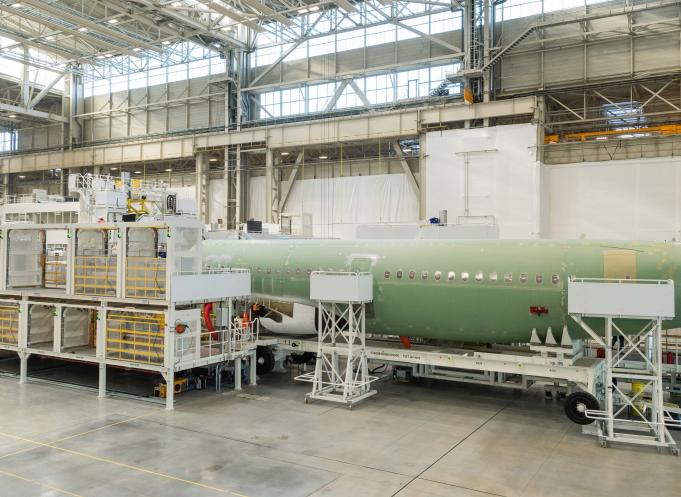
(452, 448)
(36, 482)
(123, 465)
(21, 451)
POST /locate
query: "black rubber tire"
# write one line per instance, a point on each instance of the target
(575, 405)
(264, 362)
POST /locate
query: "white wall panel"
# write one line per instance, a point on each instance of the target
(628, 199)
(503, 176)
(339, 205)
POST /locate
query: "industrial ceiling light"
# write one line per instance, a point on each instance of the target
(12, 116)
(50, 38)
(113, 168)
(21, 176)
(82, 29)
(138, 172)
(17, 5)
(323, 157)
(113, 21)
(169, 170)
(136, 49)
(284, 153)
(165, 42)
(314, 8)
(212, 159)
(302, 11)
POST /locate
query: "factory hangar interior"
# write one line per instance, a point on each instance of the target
(305, 248)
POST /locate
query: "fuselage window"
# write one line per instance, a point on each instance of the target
(424, 275)
(493, 276)
(309, 272)
(269, 270)
(386, 275)
(451, 275)
(399, 275)
(297, 270)
(412, 274)
(479, 276)
(555, 279)
(464, 276)
(523, 277)
(508, 277)
(539, 279)
(437, 275)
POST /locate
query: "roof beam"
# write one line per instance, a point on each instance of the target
(112, 33)
(35, 100)
(346, 6)
(16, 109)
(58, 27)
(222, 10)
(268, 11)
(291, 179)
(431, 38)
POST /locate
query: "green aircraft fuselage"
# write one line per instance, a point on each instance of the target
(464, 291)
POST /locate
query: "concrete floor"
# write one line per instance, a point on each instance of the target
(428, 440)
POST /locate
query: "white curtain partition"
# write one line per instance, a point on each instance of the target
(339, 205)
(635, 199)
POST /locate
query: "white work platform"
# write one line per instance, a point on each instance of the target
(329, 286)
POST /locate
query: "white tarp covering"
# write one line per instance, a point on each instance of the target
(339, 205)
(503, 176)
(636, 199)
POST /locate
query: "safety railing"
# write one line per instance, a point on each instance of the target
(145, 277)
(135, 337)
(239, 337)
(55, 271)
(94, 275)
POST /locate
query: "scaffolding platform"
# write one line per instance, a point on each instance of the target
(134, 295)
(624, 316)
(341, 371)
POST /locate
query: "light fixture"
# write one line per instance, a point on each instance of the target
(17, 5)
(165, 42)
(82, 29)
(21, 176)
(100, 56)
(169, 170)
(284, 153)
(49, 38)
(302, 11)
(212, 159)
(113, 21)
(113, 168)
(12, 116)
(136, 49)
(323, 157)
(314, 8)
(138, 172)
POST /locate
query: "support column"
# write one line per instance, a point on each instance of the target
(201, 187)
(423, 184)
(23, 367)
(170, 390)
(102, 380)
(253, 368)
(237, 374)
(269, 187)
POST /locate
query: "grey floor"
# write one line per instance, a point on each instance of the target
(427, 440)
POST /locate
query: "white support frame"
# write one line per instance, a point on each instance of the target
(650, 426)
(341, 335)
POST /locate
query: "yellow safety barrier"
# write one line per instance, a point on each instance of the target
(9, 324)
(145, 277)
(135, 337)
(95, 275)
